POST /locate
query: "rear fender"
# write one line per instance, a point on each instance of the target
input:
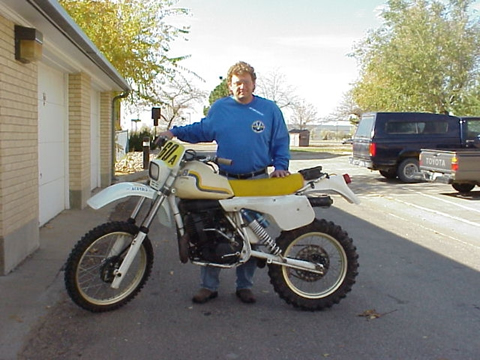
(334, 183)
(119, 191)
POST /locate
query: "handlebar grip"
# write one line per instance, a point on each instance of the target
(224, 161)
(160, 141)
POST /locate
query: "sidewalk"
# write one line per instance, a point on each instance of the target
(27, 293)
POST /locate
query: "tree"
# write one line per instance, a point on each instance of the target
(425, 57)
(347, 110)
(273, 86)
(220, 91)
(134, 36)
(303, 115)
(178, 99)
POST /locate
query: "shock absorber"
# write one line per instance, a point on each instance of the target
(258, 223)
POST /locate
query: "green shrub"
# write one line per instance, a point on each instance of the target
(135, 141)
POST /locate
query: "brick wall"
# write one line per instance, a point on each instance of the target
(106, 131)
(79, 92)
(19, 234)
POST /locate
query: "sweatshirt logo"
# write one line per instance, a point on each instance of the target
(258, 126)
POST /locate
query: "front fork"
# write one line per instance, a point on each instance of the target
(138, 240)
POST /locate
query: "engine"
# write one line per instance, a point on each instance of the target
(212, 237)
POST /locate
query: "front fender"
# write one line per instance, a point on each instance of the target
(119, 191)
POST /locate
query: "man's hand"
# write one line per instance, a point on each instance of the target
(168, 134)
(280, 173)
(161, 138)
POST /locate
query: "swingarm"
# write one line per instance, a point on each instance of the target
(289, 262)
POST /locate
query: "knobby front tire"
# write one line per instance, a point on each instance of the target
(89, 270)
(321, 242)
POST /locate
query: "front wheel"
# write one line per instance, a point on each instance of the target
(91, 266)
(324, 243)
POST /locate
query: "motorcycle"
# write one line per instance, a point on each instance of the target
(312, 263)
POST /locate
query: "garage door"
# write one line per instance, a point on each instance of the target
(52, 145)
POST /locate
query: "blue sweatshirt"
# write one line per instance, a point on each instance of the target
(254, 135)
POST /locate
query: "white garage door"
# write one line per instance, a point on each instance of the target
(52, 145)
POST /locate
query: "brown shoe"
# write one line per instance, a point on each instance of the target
(246, 296)
(204, 295)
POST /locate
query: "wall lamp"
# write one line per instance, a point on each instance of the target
(28, 44)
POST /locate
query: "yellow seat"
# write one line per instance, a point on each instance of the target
(267, 187)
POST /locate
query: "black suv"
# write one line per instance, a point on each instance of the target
(391, 142)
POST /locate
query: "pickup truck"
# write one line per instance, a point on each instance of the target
(460, 168)
(390, 142)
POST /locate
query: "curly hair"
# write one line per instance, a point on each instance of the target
(241, 68)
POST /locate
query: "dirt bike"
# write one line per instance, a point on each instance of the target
(312, 263)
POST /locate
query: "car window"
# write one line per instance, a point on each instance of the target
(473, 129)
(365, 127)
(435, 127)
(401, 127)
(416, 127)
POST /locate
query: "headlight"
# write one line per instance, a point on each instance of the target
(154, 171)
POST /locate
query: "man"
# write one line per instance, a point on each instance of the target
(251, 131)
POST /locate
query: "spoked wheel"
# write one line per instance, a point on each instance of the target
(326, 245)
(90, 268)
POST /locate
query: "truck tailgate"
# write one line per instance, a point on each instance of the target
(459, 165)
(436, 160)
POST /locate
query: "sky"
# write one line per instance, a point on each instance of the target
(307, 41)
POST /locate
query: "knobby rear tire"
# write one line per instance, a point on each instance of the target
(90, 266)
(320, 242)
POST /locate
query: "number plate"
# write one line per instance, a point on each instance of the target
(171, 153)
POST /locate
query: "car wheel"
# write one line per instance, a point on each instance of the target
(463, 187)
(407, 170)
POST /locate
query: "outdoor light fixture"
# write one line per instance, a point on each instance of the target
(28, 44)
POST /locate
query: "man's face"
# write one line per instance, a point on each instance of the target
(242, 87)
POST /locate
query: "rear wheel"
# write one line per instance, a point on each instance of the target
(407, 169)
(322, 243)
(91, 266)
(463, 187)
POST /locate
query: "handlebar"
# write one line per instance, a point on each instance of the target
(223, 161)
(214, 159)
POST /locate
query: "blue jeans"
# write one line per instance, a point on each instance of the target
(210, 276)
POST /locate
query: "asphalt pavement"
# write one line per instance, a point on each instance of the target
(36, 285)
(425, 301)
